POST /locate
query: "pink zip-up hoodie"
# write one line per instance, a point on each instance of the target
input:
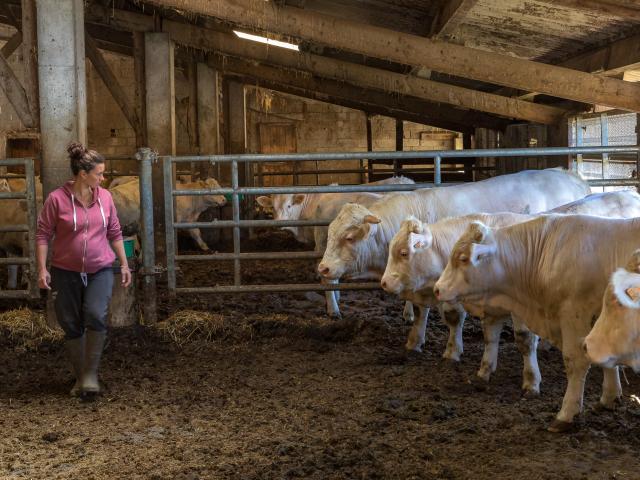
(80, 235)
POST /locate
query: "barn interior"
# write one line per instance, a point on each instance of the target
(262, 383)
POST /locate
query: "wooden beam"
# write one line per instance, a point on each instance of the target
(15, 93)
(353, 73)
(111, 82)
(140, 95)
(449, 16)
(614, 8)
(610, 60)
(30, 57)
(269, 76)
(405, 48)
(12, 45)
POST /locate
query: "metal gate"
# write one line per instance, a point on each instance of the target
(29, 228)
(236, 191)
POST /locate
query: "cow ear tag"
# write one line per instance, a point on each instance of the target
(633, 293)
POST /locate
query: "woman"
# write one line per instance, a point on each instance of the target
(81, 219)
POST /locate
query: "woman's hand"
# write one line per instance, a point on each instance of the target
(44, 279)
(126, 275)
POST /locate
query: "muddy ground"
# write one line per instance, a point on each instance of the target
(283, 392)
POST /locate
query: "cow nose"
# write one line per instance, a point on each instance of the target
(323, 269)
(436, 292)
(584, 347)
(384, 284)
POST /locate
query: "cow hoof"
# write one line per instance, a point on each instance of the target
(412, 354)
(335, 316)
(484, 375)
(609, 405)
(559, 426)
(414, 347)
(529, 394)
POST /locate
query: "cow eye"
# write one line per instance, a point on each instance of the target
(464, 259)
(404, 253)
(349, 239)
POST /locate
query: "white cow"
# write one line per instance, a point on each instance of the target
(303, 206)
(359, 237)
(550, 272)
(126, 198)
(417, 256)
(615, 337)
(122, 180)
(419, 252)
(322, 206)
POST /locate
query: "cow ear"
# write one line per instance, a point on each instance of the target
(633, 265)
(211, 183)
(626, 288)
(265, 202)
(298, 198)
(371, 219)
(480, 251)
(419, 241)
(478, 232)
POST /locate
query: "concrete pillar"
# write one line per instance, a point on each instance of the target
(62, 85)
(161, 124)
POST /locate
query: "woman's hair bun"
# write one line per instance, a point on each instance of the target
(76, 150)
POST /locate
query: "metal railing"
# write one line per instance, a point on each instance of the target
(29, 197)
(236, 191)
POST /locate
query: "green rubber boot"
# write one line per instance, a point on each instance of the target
(75, 352)
(93, 354)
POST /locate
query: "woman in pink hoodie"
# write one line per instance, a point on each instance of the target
(80, 220)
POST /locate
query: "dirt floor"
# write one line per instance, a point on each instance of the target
(279, 391)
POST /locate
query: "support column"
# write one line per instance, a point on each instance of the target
(236, 129)
(399, 144)
(161, 126)
(62, 85)
(140, 95)
(208, 114)
(369, 148)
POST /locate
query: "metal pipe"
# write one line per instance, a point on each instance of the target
(32, 220)
(16, 228)
(613, 182)
(170, 234)
(235, 198)
(145, 156)
(13, 195)
(307, 189)
(16, 261)
(250, 256)
(500, 152)
(252, 224)
(285, 287)
(437, 176)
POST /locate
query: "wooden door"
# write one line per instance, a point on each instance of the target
(277, 138)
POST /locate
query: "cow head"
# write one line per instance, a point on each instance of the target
(472, 264)
(348, 250)
(212, 200)
(403, 272)
(615, 337)
(287, 206)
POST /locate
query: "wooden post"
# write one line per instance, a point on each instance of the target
(140, 100)
(30, 58)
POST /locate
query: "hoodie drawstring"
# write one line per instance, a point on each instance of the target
(104, 219)
(75, 222)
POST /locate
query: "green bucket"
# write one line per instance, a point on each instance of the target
(129, 247)
(129, 250)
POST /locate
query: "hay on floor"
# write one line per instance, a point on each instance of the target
(28, 329)
(189, 325)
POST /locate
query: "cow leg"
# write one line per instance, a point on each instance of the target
(417, 334)
(333, 310)
(576, 367)
(408, 313)
(195, 234)
(454, 343)
(611, 388)
(527, 343)
(491, 329)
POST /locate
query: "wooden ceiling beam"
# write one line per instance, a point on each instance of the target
(405, 48)
(449, 16)
(15, 93)
(12, 45)
(352, 73)
(607, 7)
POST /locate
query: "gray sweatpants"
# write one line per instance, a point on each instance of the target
(79, 307)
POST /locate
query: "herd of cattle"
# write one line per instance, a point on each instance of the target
(536, 246)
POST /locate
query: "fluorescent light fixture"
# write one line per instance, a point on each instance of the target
(268, 41)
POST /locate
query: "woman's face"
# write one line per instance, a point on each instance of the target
(94, 177)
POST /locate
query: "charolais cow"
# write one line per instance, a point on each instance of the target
(122, 180)
(358, 239)
(126, 198)
(551, 272)
(322, 206)
(417, 256)
(615, 337)
(416, 260)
